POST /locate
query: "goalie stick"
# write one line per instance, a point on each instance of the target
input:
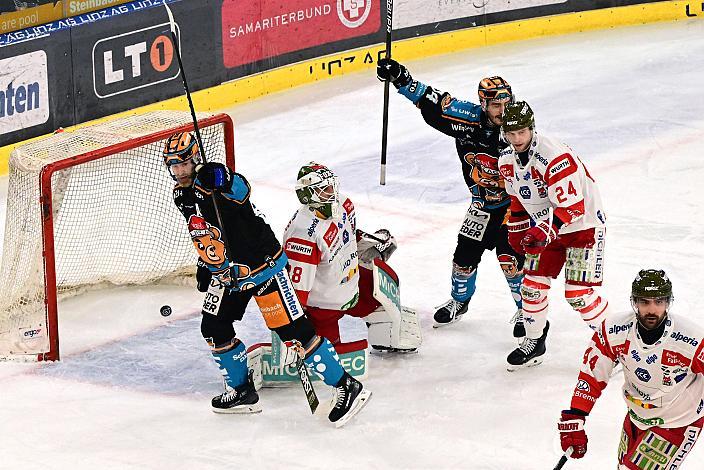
(385, 121)
(177, 51)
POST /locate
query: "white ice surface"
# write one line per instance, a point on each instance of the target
(133, 389)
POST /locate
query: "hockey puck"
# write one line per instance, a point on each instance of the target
(165, 311)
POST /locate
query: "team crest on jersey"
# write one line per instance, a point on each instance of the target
(643, 374)
(524, 191)
(330, 235)
(483, 169)
(207, 241)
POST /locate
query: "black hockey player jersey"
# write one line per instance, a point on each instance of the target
(255, 249)
(477, 141)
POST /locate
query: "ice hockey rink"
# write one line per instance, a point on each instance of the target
(133, 389)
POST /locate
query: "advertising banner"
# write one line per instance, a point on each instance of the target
(262, 29)
(130, 60)
(13, 18)
(36, 89)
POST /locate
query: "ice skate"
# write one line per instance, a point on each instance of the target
(519, 329)
(529, 353)
(350, 399)
(239, 400)
(450, 312)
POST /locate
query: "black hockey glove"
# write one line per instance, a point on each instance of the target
(213, 175)
(389, 69)
(203, 276)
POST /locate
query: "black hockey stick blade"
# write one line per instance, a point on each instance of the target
(307, 385)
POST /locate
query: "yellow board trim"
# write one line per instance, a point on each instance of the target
(252, 87)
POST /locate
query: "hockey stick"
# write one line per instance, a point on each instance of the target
(563, 460)
(364, 234)
(385, 121)
(177, 50)
(276, 346)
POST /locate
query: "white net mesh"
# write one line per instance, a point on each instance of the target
(114, 219)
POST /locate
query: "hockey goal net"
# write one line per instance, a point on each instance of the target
(90, 208)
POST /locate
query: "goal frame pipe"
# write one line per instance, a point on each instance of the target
(47, 207)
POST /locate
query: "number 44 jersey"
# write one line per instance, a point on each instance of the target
(554, 177)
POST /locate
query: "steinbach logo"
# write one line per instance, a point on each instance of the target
(134, 60)
(353, 13)
(24, 91)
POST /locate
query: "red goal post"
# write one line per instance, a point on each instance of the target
(93, 208)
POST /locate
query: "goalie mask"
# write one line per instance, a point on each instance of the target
(181, 147)
(494, 89)
(317, 188)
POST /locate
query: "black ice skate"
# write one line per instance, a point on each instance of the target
(350, 399)
(450, 312)
(529, 353)
(390, 349)
(238, 400)
(519, 329)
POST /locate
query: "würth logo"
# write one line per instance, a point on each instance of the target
(134, 60)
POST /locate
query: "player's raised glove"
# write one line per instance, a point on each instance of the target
(213, 175)
(571, 427)
(518, 226)
(538, 237)
(389, 69)
(381, 246)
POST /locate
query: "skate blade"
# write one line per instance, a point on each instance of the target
(381, 350)
(240, 410)
(533, 362)
(357, 406)
(440, 325)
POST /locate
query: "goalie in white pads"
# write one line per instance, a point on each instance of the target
(338, 270)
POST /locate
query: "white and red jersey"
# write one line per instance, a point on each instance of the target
(554, 178)
(664, 382)
(323, 257)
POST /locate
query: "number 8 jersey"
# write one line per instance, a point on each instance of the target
(322, 254)
(553, 177)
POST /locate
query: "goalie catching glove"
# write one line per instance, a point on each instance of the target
(382, 246)
(571, 427)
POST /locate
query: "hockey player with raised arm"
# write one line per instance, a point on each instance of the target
(663, 369)
(338, 270)
(255, 267)
(476, 130)
(556, 219)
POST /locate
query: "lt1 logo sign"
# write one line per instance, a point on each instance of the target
(134, 60)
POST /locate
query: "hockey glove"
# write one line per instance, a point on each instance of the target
(213, 175)
(538, 237)
(203, 276)
(389, 69)
(571, 427)
(517, 226)
(381, 246)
